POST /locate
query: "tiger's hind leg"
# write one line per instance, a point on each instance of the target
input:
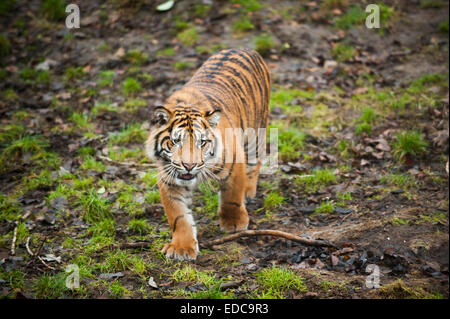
(232, 212)
(252, 179)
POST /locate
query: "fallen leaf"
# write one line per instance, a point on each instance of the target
(166, 6)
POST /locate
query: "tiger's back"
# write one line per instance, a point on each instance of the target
(238, 83)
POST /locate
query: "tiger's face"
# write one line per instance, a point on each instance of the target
(185, 143)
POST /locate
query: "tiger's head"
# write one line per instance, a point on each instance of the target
(185, 143)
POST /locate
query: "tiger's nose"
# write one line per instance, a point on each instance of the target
(189, 166)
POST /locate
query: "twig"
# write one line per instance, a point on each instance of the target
(13, 244)
(139, 244)
(27, 245)
(45, 264)
(270, 232)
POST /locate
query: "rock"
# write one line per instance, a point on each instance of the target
(108, 276)
(152, 283)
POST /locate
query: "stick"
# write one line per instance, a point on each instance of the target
(139, 244)
(277, 233)
(13, 244)
(27, 245)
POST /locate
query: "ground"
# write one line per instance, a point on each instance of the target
(362, 118)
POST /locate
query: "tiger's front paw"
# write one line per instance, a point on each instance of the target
(179, 250)
(233, 220)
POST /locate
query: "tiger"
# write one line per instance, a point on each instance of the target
(188, 143)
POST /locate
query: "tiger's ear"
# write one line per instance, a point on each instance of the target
(160, 115)
(213, 117)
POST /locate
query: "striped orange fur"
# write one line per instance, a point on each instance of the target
(188, 140)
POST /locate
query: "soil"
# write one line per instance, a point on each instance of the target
(364, 229)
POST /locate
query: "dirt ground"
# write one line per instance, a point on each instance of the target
(75, 183)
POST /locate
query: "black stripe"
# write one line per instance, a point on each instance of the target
(175, 223)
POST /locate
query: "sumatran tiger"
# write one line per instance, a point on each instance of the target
(190, 142)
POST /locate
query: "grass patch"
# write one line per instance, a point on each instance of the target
(242, 24)
(343, 52)
(277, 281)
(210, 198)
(170, 51)
(131, 86)
(183, 65)
(408, 144)
(136, 57)
(53, 10)
(50, 287)
(74, 73)
(398, 290)
(189, 36)
(354, 16)
(248, 5)
(316, 181)
(399, 180)
(326, 207)
(106, 78)
(133, 133)
(290, 142)
(263, 44)
(94, 207)
(139, 226)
